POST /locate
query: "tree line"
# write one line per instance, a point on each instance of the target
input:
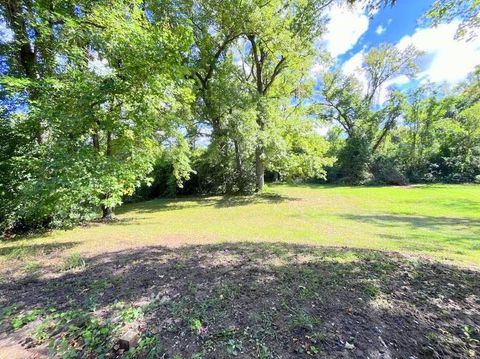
(102, 101)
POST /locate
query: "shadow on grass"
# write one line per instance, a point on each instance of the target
(426, 222)
(420, 237)
(227, 201)
(255, 301)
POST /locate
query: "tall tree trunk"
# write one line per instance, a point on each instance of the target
(259, 57)
(260, 149)
(107, 211)
(259, 168)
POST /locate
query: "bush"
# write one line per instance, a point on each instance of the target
(385, 171)
(352, 166)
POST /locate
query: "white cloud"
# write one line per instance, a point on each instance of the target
(347, 24)
(446, 59)
(318, 69)
(450, 60)
(399, 80)
(380, 30)
(353, 64)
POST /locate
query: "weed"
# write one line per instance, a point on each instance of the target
(20, 253)
(91, 334)
(195, 325)
(469, 332)
(227, 291)
(306, 292)
(44, 330)
(73, 261)
(148, 347)
(262, 351)
(31, 268)
(25, 318)
(8, 311)
(371, 290)
(312, 350)
(266, 322)
(302, 319)
(131, 314)
(234, 347)
(308, 346)
(432, 337)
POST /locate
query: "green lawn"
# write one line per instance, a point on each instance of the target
(228, 293)
(441, 221)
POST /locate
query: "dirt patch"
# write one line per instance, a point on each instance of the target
(249, 300)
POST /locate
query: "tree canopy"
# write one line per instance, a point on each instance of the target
(103, 102)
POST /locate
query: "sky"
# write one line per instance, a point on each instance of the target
(351, 32)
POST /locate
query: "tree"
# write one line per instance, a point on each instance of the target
(280, 39)
(117, 81)
(216, 26)
(441, 138)
(355, 107)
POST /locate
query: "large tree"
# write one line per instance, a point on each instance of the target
(278, 47)
(117, 84)
(357, 107)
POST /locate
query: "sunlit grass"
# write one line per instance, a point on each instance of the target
(440, 221)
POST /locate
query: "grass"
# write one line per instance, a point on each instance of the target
(73, 261)
(438, 221)
(255, 277)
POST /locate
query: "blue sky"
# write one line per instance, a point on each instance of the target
(351, 33)
(391, 24)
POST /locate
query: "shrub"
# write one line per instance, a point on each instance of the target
(385, 171)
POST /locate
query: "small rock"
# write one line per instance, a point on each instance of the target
(129, 340)
(349, 346)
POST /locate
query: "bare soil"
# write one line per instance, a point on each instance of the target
(246, 300)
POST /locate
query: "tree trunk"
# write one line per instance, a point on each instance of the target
(259, 168)
(276, 176)
(107, 213)
(260, 149)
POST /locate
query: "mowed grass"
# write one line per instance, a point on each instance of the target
(255, 277)
(438, 221)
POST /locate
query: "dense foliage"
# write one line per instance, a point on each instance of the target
(106, 101)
